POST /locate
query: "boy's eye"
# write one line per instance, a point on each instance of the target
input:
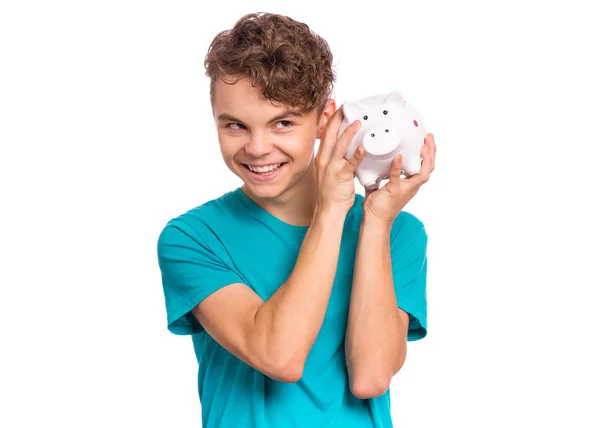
(237, 126)
(234, 126)
(286, 123)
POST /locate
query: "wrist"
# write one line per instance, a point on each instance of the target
(329, 215)
(374, 222)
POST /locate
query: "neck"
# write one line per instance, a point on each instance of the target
(297, 203)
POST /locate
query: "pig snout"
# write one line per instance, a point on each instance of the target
(381, 141)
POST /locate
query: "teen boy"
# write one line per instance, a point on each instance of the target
(299, 294)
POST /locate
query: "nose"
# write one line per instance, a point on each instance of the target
(258, 145)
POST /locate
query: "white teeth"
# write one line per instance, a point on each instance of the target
(266, 168)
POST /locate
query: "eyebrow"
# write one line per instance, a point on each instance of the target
(228, 117)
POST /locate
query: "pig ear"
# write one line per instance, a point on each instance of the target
(394, 97)
(352, 110)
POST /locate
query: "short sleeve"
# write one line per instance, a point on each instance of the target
(190, 272)
(409, 271)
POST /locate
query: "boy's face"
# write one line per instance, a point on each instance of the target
(254, 134)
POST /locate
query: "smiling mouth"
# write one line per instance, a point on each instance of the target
(270, 171)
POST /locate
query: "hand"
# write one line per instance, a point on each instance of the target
(385, 204)
(335, 174)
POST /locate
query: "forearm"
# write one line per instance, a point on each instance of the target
(375, 342)
(288, 323)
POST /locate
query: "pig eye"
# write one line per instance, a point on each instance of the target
(387, 130)
(385, 112)
(372, 135)
(365, 117)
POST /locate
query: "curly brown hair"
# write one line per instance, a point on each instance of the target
(290, 63)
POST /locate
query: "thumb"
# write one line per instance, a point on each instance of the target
(396, 170)
(353, 163)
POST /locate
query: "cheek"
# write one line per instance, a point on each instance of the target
(229, 146)
(304, 144)
(301, 150)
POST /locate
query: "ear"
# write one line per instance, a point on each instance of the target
(394, 97)
(328, 111)
(352, 110)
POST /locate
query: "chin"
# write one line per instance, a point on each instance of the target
(264, 192)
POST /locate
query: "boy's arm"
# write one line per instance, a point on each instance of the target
(376, 336)
(275, 336)
(377, 332)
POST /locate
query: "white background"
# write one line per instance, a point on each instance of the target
(106, 134)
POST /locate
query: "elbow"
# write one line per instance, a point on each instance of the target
(290, 374)
(285, 370)
(369, 388)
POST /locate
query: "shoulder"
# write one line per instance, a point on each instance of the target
(197, 222)
(407, 222)
(408, 230)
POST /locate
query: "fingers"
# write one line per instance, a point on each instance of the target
(430, 142)
(355, 160)
(341, 146)
(433, 150)
(427, 162)
(428, 155)
(330, 135)
(414, 181)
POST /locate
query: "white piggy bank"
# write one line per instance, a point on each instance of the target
(389, 126)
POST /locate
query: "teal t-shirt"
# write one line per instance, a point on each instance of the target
(232, 239)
